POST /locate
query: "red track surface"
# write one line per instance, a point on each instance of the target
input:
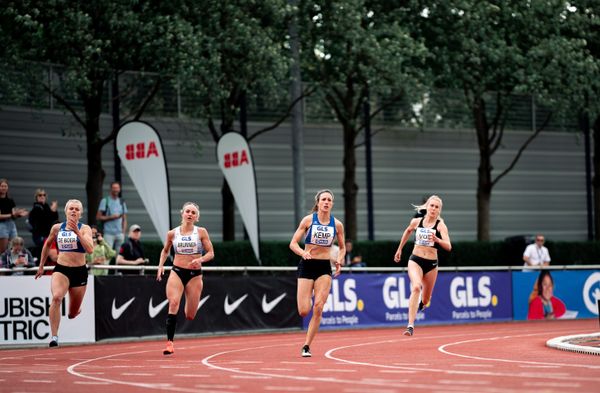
(488, 358)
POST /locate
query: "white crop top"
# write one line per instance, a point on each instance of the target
(187, 244)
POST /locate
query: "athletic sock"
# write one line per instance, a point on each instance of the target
(171, 324)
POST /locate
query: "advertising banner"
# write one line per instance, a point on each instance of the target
(578, 290)
(382, 299)
(141, 153)
(133, 306)
(237, 165)
(24, 308)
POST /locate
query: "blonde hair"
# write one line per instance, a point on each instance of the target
(37, 192)
(73, 201)
(424, 205)
(193, 204)
(17, 239)
(318, 195)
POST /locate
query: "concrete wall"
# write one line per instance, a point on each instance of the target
(544, 193)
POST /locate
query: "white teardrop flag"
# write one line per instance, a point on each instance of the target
(140, 149)
(235, 161)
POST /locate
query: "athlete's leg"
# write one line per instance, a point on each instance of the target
(59, 286)
(428, 284)
(76, 295)
(193, 292)
(304, 295)
(415, 273)
(322, 287)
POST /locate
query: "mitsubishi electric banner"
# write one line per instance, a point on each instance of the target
(382, 300)
(235, 161)
(140, 150)
(578, 290)
(24, 307)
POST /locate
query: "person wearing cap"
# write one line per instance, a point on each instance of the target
(131, 251)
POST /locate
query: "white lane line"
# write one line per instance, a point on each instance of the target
(336, 370)
(276, 369)
(138, 374)
(37, 381)
(474, 365)
(91, 383)
(463, 382)
(290, 388)
(251, 376)
(444, 350)
(192, 375)
(552, 384)
(329, 354)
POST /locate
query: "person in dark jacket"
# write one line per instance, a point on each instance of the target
(41, 217)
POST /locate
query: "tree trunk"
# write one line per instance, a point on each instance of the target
(596, 179)
(484, 171)
(95, 173)
(228, 205)
(349, 184)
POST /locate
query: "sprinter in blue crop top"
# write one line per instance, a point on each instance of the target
(430, 231)
(73, 239)
(319, 230)
(192, 247)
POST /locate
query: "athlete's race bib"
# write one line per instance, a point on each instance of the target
(322, 235)
(66, 241)
(424, 237)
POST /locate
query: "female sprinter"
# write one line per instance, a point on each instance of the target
(423, 263)
(73, 240)
(319, 230)
(189, 242)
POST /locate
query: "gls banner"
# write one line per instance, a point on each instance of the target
(140, 150)
(133, 306)
(237, 165)
(579, 290)
(24, 307)
(379, 300)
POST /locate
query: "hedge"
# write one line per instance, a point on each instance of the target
(381, 253)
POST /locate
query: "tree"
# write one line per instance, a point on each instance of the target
(94, 42)
(243, 49)
(353, 48)
(492, 51)
(585, 88)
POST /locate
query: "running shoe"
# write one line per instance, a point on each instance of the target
(306, 352)
(409, 331)
(53, 343)
(169, 350)
(423, 306)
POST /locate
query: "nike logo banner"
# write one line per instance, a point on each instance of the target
(136, 306)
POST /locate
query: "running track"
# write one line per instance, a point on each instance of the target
(487, 358)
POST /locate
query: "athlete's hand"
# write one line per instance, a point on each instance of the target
(159, 273)
(338, 269)
(397, 256)
(306, 255)
(40, 272)
(196, 263)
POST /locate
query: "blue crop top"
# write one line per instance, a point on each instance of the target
(319, 234)
(67, 240)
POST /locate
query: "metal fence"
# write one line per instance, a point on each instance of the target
(443, 109)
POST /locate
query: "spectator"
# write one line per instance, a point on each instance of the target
(131, 252)
(351, 259)
(112, 217)
(17, 256)
(536, 255)
(545, 305)
(41, 218)
(101, 255)
(8, 213)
